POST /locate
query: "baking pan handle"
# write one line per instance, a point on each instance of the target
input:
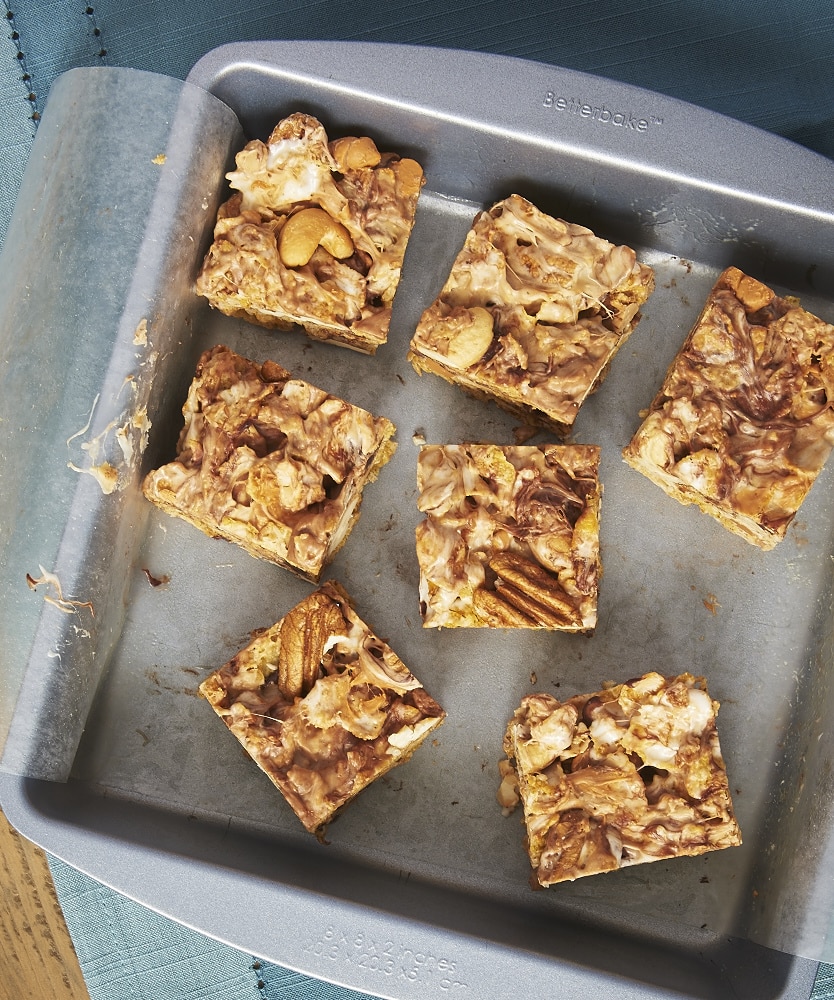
(518, 98)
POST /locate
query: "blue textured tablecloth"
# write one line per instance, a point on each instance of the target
(767, 62)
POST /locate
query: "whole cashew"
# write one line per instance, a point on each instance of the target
(470, 343)
(308, 229)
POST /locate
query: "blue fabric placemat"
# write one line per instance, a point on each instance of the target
(766, 62)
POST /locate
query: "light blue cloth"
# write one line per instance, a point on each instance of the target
(767, 62)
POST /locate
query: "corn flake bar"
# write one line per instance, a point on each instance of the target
(322, 705)
(314, 235)
(622, 777)
(510, 537)
(743, 423)
(532, 313)
(270, 462)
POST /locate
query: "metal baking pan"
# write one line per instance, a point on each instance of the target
(111, 761)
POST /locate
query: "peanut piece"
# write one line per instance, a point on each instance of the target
(751, 293)
(308, 229)
(351, 153)
(410, 177)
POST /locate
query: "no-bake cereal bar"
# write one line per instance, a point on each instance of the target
(314, 234)
(743, 422)
(270, 462)
(510, 537)
(322, 705)
(532, 313)
(627, 775)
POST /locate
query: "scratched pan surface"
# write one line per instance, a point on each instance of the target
(423, 887)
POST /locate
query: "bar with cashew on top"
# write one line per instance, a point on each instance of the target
(314, 234)
(510, 537)
(532, 313)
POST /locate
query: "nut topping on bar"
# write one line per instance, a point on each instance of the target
(270, 462)
(510, 537)
(308, 229)
(303, 634)
(315, 234)
(743, 422)
(532, 313)
(322, 705)
(625, 776)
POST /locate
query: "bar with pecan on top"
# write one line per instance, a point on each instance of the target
(510, 537)
(322, 705)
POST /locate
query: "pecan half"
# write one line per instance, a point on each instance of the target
(491, 608)
(532, 590)
(305, 631)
